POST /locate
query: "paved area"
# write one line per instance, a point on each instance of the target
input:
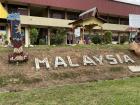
(134, 68)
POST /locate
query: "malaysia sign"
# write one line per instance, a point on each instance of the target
(86, 60)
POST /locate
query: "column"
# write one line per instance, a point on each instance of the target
(74, 38)
(29, 10)
(82, 36)
(27, 36)
(8, 33)
(48, 12)
(66, 16)
(66, 38)
(119, 20)
(49, 34)
(119, 38)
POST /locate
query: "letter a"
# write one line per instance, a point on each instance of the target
(128, 59)
(60, 62)
(87, 60)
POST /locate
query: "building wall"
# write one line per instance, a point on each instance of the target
(53, 17)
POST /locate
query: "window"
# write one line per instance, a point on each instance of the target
(124, 21)
(104, 17)
(72, 15)
(2, 28)
(23, 10)
(113, 20)
(57, 14)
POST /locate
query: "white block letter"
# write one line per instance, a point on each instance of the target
(60, 62)
(70, 62)
(88, 60)
(112, 60)
(119, 58)
(99, 59)
(128, 59)
(38, 62)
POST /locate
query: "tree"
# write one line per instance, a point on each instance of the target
(108, 37)
(58, 36)
(96, 39)
(33, 35)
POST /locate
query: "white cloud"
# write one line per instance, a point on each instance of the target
(136, 2)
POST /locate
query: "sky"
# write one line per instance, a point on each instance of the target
(137, 2)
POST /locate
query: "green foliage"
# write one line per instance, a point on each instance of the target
(6, 42)
(5, 39)
(58, 36)
(33, 35)
(42, 42)
(123, 39)
(108, 37)
(114, 92)
(96, 39)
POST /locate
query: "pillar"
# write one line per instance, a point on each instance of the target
(74, 38)
(66, 39)
(119, 20)
(29, 10)
(27, 36)
(49, 39)
(119, 38)
(66, 16)
(8, 33)
(83, 30)
(48, 12)
(82, 36)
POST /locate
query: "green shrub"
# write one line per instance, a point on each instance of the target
(123, 39)
(5, 37)
(42, 42)
(33, 35)
(96, 39)
(58, 36)
(108, 37)
(6, 42)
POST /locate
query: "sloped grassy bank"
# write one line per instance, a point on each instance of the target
(15, 77)
(112, 92)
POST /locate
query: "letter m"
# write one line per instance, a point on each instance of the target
(38, 62)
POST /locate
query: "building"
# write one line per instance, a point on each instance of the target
(51, 14)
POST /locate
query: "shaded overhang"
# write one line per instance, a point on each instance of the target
(89, 18)
(3, 12)
(113, 27)
(132, 29)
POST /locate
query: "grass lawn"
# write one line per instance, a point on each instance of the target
(114, 92)
(92, 46)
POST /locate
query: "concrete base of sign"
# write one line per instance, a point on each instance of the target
(134, 68)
